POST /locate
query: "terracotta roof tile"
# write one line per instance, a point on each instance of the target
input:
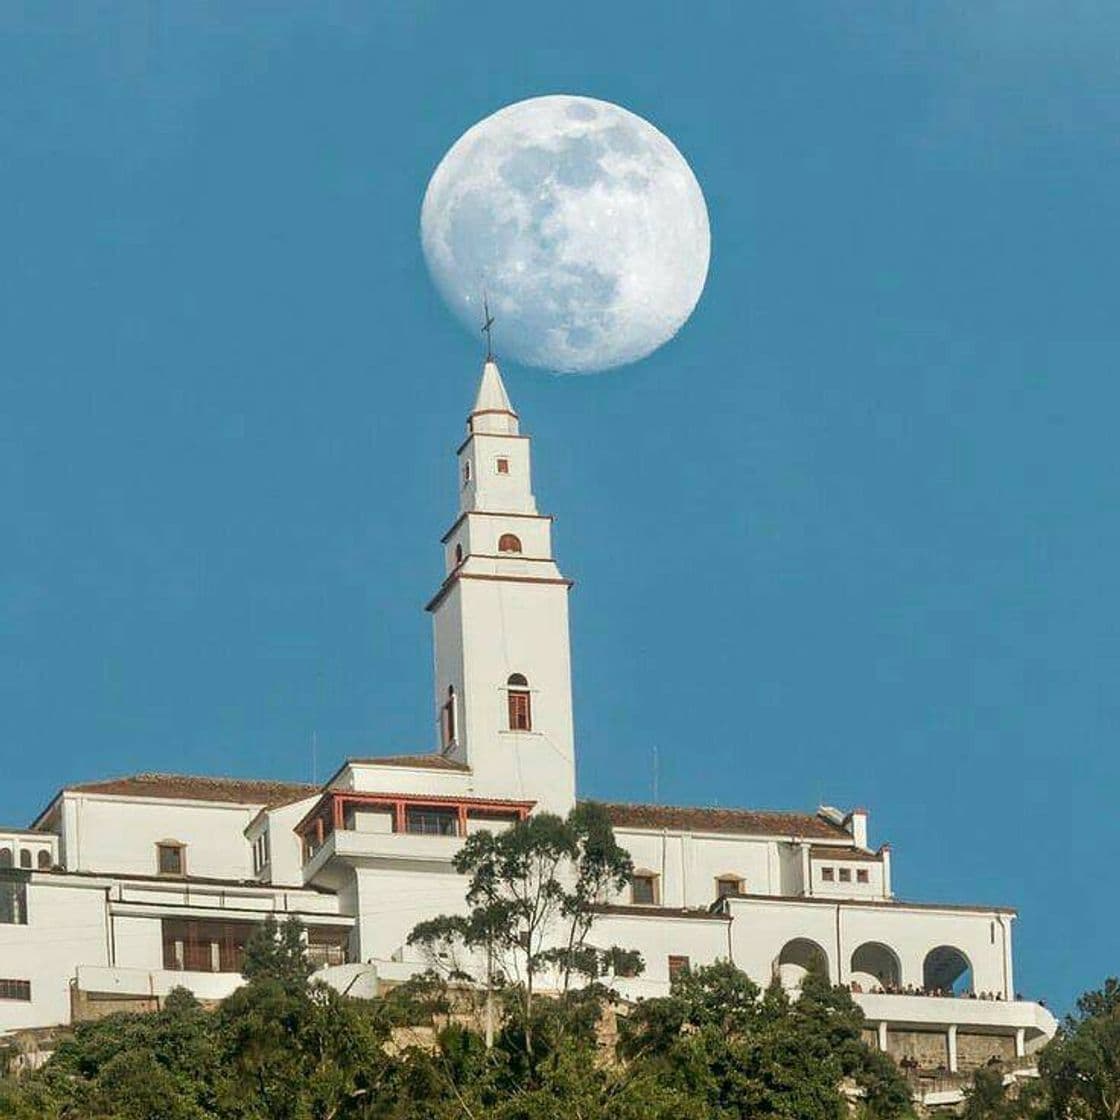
(188, 787)
(746, 822)
(424, 761)
(826, 851)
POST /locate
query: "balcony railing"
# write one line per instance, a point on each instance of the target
(407, 814)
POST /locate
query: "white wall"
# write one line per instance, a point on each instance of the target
(66, 926)
(486, 630)
(119, 835)
(762, 927)
(363, 777)
(657, 937)
(688, 864)
(285, 863)
(391, 902)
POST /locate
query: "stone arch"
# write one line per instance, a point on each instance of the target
(5, 857)
(43, 859)
(876, 965)
(947, 969)
(798, 958)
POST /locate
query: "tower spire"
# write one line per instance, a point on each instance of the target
(487, 327)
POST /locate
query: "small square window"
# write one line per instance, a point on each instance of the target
(827, 874)
(728, 886)
(861, 875)
(170, 859)
(503, 466)
(845, 874)
(643, 890)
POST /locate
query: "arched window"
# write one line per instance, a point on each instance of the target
(44, 859)
(520, 706)
(5, 857)
(507, 542)
(458, 554)
(947, 970)
(466, 471)
(876, 965)
(447, 718)
(798, 958)
(25, 858)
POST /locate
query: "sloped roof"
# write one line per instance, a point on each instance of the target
(424, 761)
(744, 822)
(190, 787)
(824, 851)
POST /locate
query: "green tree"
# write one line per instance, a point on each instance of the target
(1080, 1067)
(533, 894)
(278, 952)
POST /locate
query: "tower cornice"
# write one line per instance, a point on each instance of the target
(458, 575)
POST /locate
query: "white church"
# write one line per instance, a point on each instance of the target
(125, 888)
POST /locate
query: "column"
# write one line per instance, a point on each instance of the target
(883, 1036)
(953, 1048)
(1021, 1042)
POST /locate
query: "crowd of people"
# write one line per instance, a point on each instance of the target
(891, 989)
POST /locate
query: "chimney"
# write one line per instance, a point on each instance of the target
(856, 823)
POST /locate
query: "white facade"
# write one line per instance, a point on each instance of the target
(124, 888)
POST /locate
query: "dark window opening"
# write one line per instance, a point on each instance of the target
(426, 821)
(13, 904)
(44, 859)
(328, 945)
(861, 875)
(5, 857)
(677, 966)
(503, 466)
(170, 859)
(643, 890)
(827, 874)
(507, 542)
(25, 858)
(191, 945)
(458, 554)
(845, 874)
(447, 718)
(728, 886)
(16, 989)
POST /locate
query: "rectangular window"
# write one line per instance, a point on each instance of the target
(861, 875)
(677, 965)
(520, 714)
(16, 989)
(431, 822)
(845, 874)
(728, 886)
(170, 859)
(327, 945)
(503, 466)
(191, 945)
(643, 890)
(13, 904)
(827, 874)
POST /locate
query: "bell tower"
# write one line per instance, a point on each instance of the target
(502, 659)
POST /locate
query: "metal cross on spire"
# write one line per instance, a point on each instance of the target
(487, 327)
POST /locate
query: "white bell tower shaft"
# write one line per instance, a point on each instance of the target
(502, 655)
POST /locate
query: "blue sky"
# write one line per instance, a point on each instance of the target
(852, 536)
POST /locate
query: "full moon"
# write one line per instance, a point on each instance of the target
(582, 224)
